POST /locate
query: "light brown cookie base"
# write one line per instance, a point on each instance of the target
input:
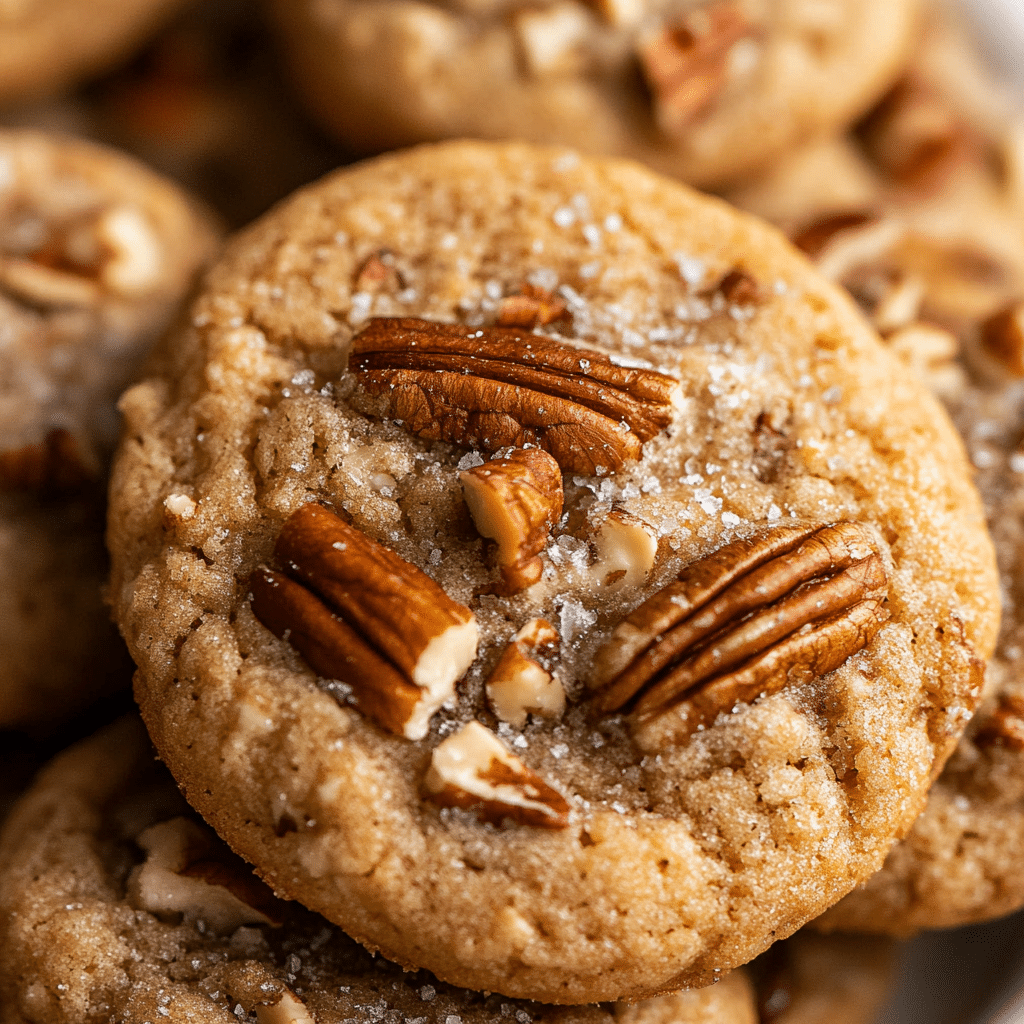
(88, 935)
(674, 865)
(393, 73)
(96, 254)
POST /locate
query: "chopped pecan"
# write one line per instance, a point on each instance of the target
(53, 465)
(770, 447)
(523, 681)
(931, 352)
(515, 501)
(740, 288)
(471, 769)
(289, 1009)
(752, 617)
(377, 271)
(43, 287)
(626, 547)
(916, 138)
(532, 307)
(188, 871)
(813, 237)
(620, 13)
(1004, 727)
(496, 387)
(359, 613)
(686, 62)
(1002, 336)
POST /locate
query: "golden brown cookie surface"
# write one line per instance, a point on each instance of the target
(699, 90)
(736, 453)
(96, 254)
(118, 903)
(933, 249)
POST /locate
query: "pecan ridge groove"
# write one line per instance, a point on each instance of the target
(496, 387)
(750, 618)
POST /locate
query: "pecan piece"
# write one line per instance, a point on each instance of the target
(515, 501)
(496, 387)
(289, 1009)
(523, 681)
(359, 613)
(532, 307)
(1002, 337)
(472, 769)
(626, 548)
(752, 617)
(814, 237)
(55, 464)
(1004, 727)
(188, 871)
(686, 63)
(916, 138)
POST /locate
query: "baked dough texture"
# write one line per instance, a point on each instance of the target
(97, 253)
(119, 905)
(679, 857)
(949, 236)
(702, 91)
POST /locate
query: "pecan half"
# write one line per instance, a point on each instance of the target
(523, 681)
(752, 617)
(359, 613)
(686, 62)
(515, 501)
(1002, 337)
(1004, 727)
(471, 769)
(496, 387)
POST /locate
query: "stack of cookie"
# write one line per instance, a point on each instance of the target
(537, 573)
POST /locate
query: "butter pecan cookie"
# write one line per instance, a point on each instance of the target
(700, 89)
(118, 904)
(49, 45)
(934, 252)
(96, 254)
(613, 459)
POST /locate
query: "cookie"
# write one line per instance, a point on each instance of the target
(811, 978)
(49, 45)
(937, 259)
(119, 903)
(669, 411)
(96, 255)
(704, 91)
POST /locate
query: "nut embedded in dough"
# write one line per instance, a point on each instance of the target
(473, 770)
(337, 602)
(515, 501)
(745, 621)
(522, 682)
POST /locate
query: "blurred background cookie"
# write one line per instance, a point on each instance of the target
(700, 90)
(96, 254)
(49, 45)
